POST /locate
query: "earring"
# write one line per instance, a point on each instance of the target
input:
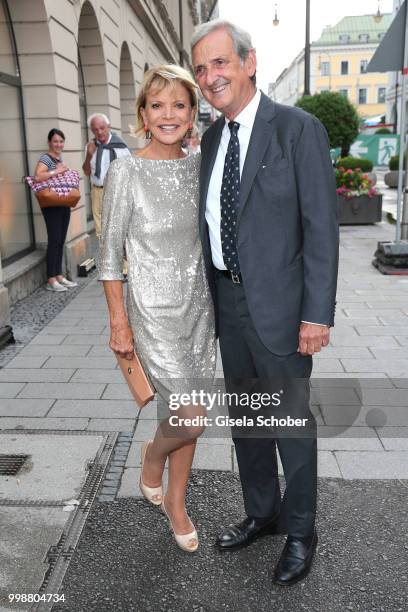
(148, 134)
(188, 133)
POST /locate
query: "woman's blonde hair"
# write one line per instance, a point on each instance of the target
(158, 78)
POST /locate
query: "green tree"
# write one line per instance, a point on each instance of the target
(338, 115)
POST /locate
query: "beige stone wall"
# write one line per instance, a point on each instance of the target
(115, 38)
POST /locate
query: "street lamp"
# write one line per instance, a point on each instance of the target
(378, 16)
(306, 91)
(275, 19)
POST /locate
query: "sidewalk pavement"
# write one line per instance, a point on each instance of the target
(67, 378)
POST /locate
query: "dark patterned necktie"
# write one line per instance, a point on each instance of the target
(229, 201)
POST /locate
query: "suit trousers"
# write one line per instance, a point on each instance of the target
(244, 356)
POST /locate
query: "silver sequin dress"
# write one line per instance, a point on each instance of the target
(150, 208)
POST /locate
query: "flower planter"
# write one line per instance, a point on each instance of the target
(359, 210)
(391, 178)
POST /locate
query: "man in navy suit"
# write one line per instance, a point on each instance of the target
(269, 231)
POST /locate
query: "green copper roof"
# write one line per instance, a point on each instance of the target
(353, 27)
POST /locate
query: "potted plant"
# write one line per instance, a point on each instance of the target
(391, 177)
(364, 164)
(358, 200)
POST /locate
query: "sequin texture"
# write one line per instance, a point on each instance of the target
(150, 207)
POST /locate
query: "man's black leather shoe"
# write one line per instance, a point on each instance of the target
(239, 536)
(295, 560)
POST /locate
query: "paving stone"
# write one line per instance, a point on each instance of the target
(27, 361)
(35, 375)
(368, 341)
(367, 464)
(381, 330)
(44, 338)
(393, 354)
(10, 389)
(95, 327)
(393, 367)
(63, 390)
(103, 375)
(25, 407)
(99, 409)
(91, 363)
(110, 424)
(67, 424)
(327, 365)
(60, 350)
(385, 397)
(373, 416)
(338, 352)
(100, 350)
(349, 444)
(89, 339)
(120, 391)
(327, 466)
(213, 457)
(146, 429)
(130, 483)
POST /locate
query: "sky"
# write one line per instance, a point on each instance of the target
(277, 46)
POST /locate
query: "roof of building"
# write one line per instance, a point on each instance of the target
(351, 30)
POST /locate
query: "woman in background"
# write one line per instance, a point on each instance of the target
(56, 217)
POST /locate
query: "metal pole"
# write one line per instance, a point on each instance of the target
(181, 54)
(402, 229)
(306, 91)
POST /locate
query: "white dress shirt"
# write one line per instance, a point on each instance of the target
(105, 162)
(246, 120)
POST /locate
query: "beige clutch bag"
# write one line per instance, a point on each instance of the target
(136, 378)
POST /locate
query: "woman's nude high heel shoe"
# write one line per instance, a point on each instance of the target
(153, 494)
(188, 541)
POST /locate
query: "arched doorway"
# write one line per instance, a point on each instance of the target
(92, 79)
(127, 96)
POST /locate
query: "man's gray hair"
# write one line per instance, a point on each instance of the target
(240, 38)
(97, 116)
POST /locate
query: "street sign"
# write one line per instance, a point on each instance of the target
(378, 148)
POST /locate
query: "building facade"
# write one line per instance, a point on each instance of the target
(60, 61)
(338, 62)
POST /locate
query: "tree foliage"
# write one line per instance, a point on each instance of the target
(338, 115)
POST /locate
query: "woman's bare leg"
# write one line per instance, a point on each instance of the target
(180, 451)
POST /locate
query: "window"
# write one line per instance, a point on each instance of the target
(363, 38)
(344, 67)
(344, 92)
(344, 38)
(16, 222)
(363, 66)
(362, 96)
(325, 68)
(381, 95)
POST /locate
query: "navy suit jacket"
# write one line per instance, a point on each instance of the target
(287, 228)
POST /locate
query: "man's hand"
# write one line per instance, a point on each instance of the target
(121, 342)
(312, 338)
(90, 148)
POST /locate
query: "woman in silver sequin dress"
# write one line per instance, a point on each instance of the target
(150, 208)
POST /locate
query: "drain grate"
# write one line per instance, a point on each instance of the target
(10, 465)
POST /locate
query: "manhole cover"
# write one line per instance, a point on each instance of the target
(10, 465)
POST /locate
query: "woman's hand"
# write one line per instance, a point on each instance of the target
(61, 168)
(121, 341)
